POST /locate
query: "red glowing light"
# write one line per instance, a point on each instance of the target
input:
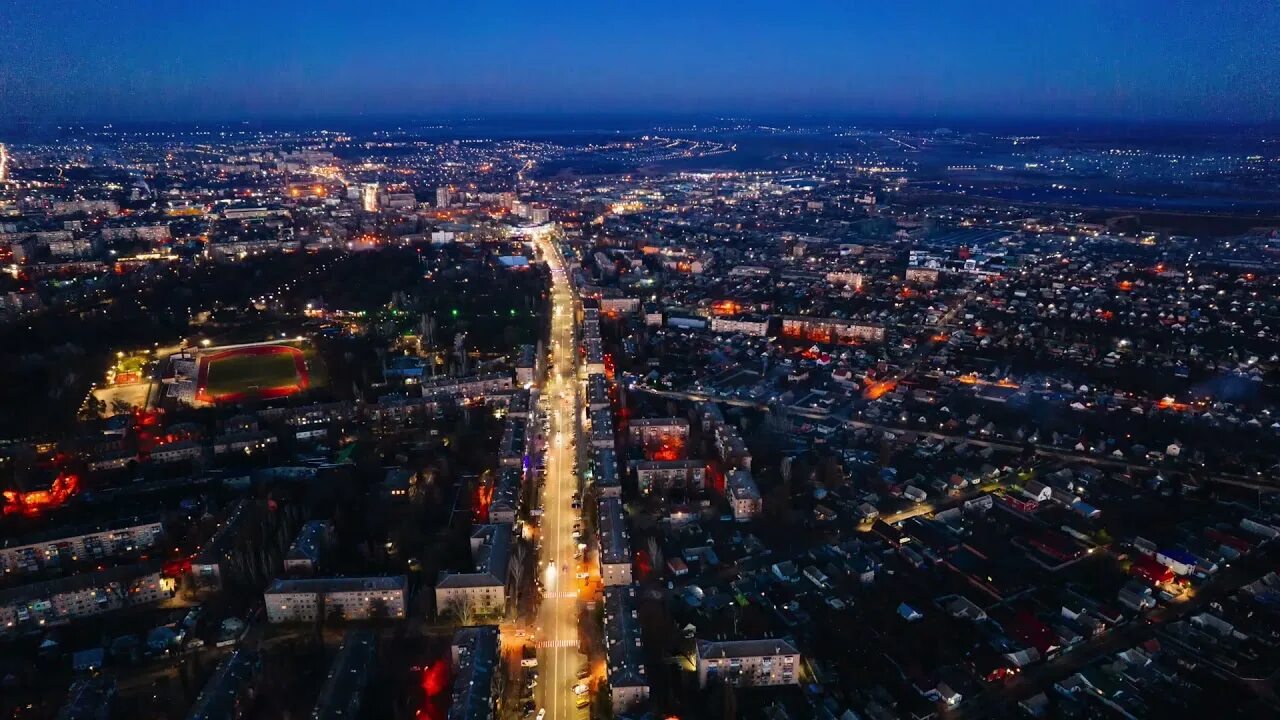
(877, 390)
(643, 564)
(36, 501)
(435, 678)
(176, 568)
(484, 496)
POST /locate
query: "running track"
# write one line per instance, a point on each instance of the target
(299, 368)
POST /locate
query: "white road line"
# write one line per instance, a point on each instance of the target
(544, 644)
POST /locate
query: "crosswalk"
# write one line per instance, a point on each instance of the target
(545, 644)
(560, 594)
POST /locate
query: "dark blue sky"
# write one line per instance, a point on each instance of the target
(228, 59)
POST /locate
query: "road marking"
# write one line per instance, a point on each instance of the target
(545, 644)
(560, 594)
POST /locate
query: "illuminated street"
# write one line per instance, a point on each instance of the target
(558, 615)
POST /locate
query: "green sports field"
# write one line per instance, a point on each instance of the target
(242, 373)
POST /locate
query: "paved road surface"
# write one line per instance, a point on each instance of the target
(558, 658)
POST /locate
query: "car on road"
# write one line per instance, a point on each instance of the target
(580, 689)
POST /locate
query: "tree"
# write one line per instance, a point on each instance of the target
(655, 554)
(94, 407)
(516, 570)
(460, 609)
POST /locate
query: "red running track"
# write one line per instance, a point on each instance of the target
(299, 368)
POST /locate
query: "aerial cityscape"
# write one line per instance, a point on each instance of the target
(576, 377)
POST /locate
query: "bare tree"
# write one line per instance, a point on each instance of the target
(655, 553)
(516, 570)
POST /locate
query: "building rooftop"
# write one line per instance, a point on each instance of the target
(741, 486)
(615, 546)
(343, 689)
(623, 650)
(337, 584)
(476, 660)
(88, 698)
(220, 698)
(310, 542)
(745, 648)
(605, 468)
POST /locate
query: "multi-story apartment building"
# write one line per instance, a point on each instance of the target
(663, 475)
(354, 598)
(304, 555)
(56, 602)
(743, 495)
(644, 432)
(615, 545)
(604, 473)
(477, 676)
(342, 694)
(748, 662)
(30, 554)
(482, 592)
(743, 324)
(624, 653)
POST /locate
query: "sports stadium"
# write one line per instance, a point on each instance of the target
(235, 373)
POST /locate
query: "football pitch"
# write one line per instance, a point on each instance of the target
(266, 371)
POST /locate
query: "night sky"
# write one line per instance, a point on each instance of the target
(231, 59)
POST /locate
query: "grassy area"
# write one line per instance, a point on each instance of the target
(240, 373)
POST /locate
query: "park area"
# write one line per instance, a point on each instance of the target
(258, 371)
